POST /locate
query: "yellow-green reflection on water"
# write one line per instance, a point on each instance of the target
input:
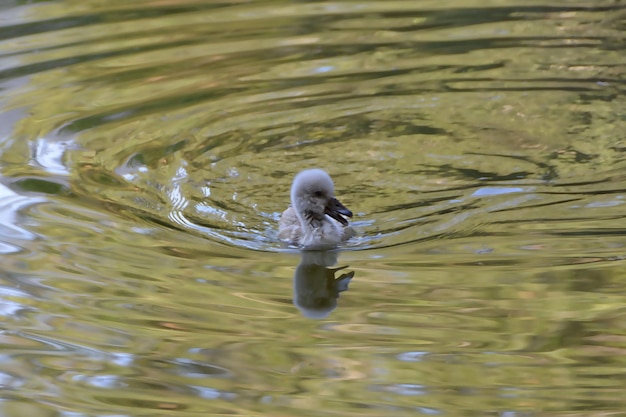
(147, 149)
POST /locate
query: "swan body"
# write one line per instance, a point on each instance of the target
(315, 218)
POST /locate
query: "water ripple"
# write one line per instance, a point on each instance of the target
(352, 93)
(147, 151)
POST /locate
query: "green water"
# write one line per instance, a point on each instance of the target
(147, 149)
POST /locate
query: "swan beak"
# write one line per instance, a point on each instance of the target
(336, 210)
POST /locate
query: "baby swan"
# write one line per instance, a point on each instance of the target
(315, 218)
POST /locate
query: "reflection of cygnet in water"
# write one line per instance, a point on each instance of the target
(315, 287)
(315, 218)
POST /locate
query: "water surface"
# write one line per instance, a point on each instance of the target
(147, 150)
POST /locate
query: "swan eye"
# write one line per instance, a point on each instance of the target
(317, 194)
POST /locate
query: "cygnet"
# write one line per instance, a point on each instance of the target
(315, 220)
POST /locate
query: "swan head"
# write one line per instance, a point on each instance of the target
(313, 197)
